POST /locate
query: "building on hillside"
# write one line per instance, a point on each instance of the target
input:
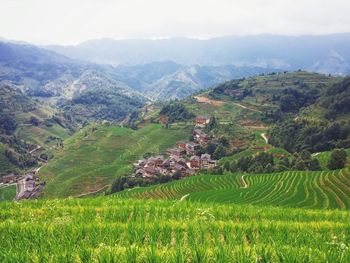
(195, 162)
(200, 136)
(159, 160)
(8, 179)
(191, 147)
(181, 145)
(176, 152)
(207, 162)
(201, 121)
(140, 163)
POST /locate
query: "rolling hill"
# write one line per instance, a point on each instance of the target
(27, 124)
(95, 156)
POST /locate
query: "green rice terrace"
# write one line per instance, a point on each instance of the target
(95, 156)
(326, 189)
(110, 229)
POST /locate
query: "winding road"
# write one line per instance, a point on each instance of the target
(263, 135)
(245, 185)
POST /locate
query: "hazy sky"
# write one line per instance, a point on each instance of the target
(74, 21)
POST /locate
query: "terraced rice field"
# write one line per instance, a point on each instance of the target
(327, 189)
(92, 160)
(109, 229)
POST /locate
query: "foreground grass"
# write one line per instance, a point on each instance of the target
(109, 229)
(92, 159)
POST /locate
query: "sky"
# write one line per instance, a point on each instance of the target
(69, 22)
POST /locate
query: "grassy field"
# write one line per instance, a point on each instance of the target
(288, 189)
(108, 229)
(92, 158)
(8, 193)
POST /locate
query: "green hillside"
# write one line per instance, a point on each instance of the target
(95, 156)
(7, 193)
(108, 229)
(288, 189)
(26, 124)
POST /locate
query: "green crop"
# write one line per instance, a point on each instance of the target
(110, 229)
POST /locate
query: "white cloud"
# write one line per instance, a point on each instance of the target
(73, 21)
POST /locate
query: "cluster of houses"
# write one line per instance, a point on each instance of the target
(9, 179)
(182, 159)
(28, 186)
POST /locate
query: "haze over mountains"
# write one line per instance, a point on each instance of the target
(141, 70)
(324, 53)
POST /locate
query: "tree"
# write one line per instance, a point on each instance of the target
(119, 184)
(34, 121)
(244, 163)
(305, 155)
(285, 162)
(300, 165)
(210, 148)
(227, 166)
(233, 166)
(337, 159)
(219, 152)
(224, 141)
(8, 124)
(314, 165)
(212, 124)
(176, 175)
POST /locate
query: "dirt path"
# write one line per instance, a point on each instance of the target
(34, 150)
(6, 185)
(209, 101)
(20, 187)
(263, 135)
(92, 192)
(218, 103)
(245, 107)
(184, 197)
(245, 185)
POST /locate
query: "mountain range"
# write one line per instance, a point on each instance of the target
(134, 72)
(320, 53)
(55, 77)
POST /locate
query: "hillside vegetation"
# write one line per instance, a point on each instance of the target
(98, 154)
(26, 124)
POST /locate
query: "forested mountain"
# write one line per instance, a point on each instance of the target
(325, 53)
(306, 111)
(169, 80)
(27, 125)
(46, 74)
(51, 77)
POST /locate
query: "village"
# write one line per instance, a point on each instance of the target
(28, 185)
(182, 160)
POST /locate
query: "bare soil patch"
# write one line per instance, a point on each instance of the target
(206, 100)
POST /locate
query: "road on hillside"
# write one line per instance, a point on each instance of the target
(263, 135)
(34, 150)
(21, 187)
(245, 185)
(245, 107)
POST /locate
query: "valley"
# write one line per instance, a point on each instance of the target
(252, 169)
